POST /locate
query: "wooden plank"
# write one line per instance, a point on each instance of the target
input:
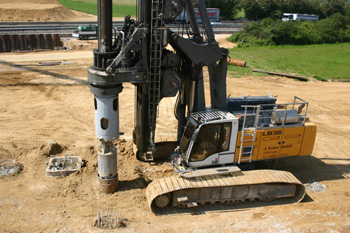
(284, 75)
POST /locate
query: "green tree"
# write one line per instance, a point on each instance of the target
(313, 7)
(228, 8)
(299, 6)
(347, 9)
(252, 9)
(270, 9)
(259, 9)
(330, 7)
(347, 15)
(332, 28)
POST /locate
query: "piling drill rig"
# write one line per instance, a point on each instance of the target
(212, 142)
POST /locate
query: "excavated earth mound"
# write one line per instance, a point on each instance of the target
(38, 11)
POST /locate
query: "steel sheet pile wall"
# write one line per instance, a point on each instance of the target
(12, 43)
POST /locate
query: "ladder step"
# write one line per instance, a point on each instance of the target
(249, 140)
(245, 159)
(248, 134)
(247, 154)
(249, 129)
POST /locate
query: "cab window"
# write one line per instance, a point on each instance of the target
(211, 139)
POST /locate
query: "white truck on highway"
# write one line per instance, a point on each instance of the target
(213, 13)
(295, 16)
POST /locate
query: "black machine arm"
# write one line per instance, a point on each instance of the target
(196, 53)
(139, 55)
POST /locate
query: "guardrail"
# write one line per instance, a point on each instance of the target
(26, 28)
(20, 36)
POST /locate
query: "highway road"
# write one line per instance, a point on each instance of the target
(66, 28)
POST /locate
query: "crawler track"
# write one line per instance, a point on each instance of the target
(264, 185)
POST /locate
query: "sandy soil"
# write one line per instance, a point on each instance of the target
(41, 104)
(40, 11)
(34, 11)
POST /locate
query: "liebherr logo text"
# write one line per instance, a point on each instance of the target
(272, 133)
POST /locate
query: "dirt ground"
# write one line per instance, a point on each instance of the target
(44, 104)
(40, 11)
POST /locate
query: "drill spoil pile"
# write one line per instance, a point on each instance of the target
(37, 11)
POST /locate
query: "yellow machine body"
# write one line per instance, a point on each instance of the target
(280, 142)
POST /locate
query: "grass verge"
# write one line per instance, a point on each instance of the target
(323, 62)
(90, 7)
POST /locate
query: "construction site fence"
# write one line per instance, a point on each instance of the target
(14, 43)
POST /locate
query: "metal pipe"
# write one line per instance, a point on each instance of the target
(205, 20)
(123, 39)
(192, 18)
(105, 26)
(106, 106)
(144, 11)
(193, 89)
(237, 62)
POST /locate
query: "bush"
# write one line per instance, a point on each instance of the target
(283, 32)
(254, 34)
(333, 29)
(311, 33)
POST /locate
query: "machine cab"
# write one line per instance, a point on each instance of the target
(209, 139)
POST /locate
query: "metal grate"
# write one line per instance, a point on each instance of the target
(208, 115)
